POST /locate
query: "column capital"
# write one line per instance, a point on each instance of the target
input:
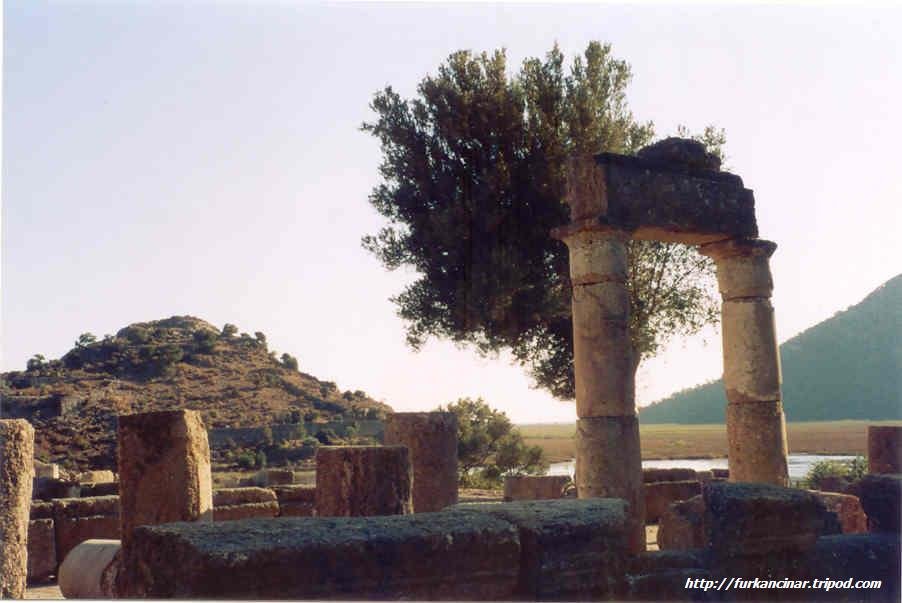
(736, 248)
(589, 226)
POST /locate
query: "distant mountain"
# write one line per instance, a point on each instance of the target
(847, 367)
(179, 362)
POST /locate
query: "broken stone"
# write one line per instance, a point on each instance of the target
(848, 511)
(90, 570)
(431, 438)
(41, 550)
(659, 496)
(356, 481)
(534, 487)
(445, 555)
(569, 549)
(16, 475)
(884, 449)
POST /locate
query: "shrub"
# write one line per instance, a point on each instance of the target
(35, 363)
(204, 341)
(822, 472)
(289, 362)
(229, 331)
(245, 460)
(261, 459)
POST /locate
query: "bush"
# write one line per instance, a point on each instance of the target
(229, 331)
(289, 362)
(261, 460)
(245, 460)
(823, 472)
(204, 341)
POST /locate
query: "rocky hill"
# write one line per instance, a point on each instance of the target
(846, 367)
(179, 362)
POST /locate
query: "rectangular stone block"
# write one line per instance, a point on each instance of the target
(356, 481)
(16, 475)
(297, 509)
(295, 493)
(884, 449)
(682, 525)
(246, 511)
(569, 549)
(164, 470)
(241, 496)
(446, 555)
(668, 475)
(534, 487)
(78, 519)
(42, 469)
(41, 550)
(659, 496)
(848, 511)
(97, 476)
(41, 510)
(753, 519)
(100, 489)
(49, 488)
(275, 477)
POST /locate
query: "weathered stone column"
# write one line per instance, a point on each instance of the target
(16, 475)
(608, 459)
(164, 470)
(431, 438)
(756, 426)
(360, 481)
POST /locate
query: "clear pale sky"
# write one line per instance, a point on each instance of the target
(204, 158)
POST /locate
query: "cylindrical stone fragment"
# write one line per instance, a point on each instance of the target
(756, 442)
(609, 465)
(431, 439)
(743, 267)
(164, 470)
(884, 449)
(16, 475)
(356, 481)
(751, 358)
(90, 569)
(597, 256)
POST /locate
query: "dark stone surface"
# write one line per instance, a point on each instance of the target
(884, 449)
(668, 475)
(659, 496)
(569, 549)
(683, 152)
(880, 497)
(100, 489)
(447, 555)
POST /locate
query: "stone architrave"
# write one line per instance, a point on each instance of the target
(164, 470)
(353, 481)
(884, 449)
(16, 475)
(756, 424)
(431, 438)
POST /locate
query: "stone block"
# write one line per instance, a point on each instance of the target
(41, 510)
(659, 496)
(223, 497)
(569, 549)
(295, 493)
(16, 476)
(880, 497)
(42, 469)
(720, 473)
(445, 555)
(49, 488)
(296, 509)
(751, 359)
(668, 475)
(275, 477)
(76, 520)
(97, 476)
(246, 511)
(682, 526)
(884, 449)
(848, 511)
(431, 438)
(756, 442)
(534, 487)
(100, 489)
(363, 480)
(752, 519)
(164, 469)
(41, 550)
(90, 570)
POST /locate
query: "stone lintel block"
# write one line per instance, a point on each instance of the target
(164, 469)
(597, 254)
(660, 200)
(659, 496)
(431, 438)
(743, 267)
(568, 548)
(602, 357)
(534, 487)
(751, 358)
(753, 519)
(884, 449)
(445, 555)
(363, 480)
(756, 443)
(881, 498)
(609, 465)
(246, 511)
(41, 550)
(223, 497)
(16, 476)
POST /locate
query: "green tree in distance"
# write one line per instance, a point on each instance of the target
(488, 441)
(472, 179)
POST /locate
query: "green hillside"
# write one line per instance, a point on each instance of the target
(847, 367)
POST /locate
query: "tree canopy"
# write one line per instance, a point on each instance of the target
(472, 180)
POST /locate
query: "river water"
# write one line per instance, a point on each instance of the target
(799, 464)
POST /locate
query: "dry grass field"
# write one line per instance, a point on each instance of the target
(668, 441)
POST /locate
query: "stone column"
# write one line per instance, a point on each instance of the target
(431, 438)
(358, 481)
(756, 426)
(164, 470)
(608, 459)
(16, 475)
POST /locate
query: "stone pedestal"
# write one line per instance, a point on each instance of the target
(608, 459)
(16, 475)
(884, 449)
(756, 425)
(354, 481)
(431, 438)
(164, 470)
